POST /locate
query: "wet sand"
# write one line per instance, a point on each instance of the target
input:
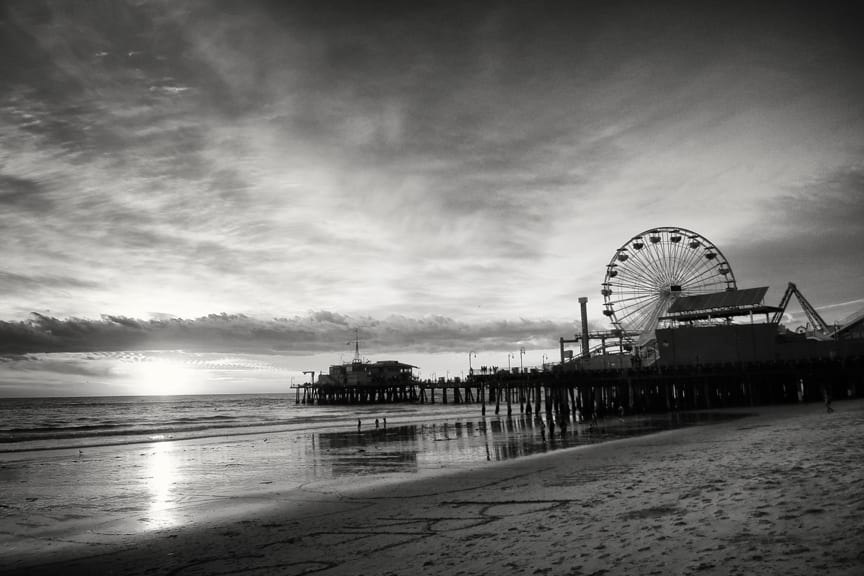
(778, 492)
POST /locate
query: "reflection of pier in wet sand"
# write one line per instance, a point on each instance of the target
(412, 448)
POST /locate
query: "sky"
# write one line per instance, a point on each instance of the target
(266, 177)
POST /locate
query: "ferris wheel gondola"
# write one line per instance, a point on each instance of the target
(652, 269)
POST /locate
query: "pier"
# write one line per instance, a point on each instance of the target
(611, 392)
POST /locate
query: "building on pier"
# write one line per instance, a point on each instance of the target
(729, 326)
(358, 373)
(852, 328)
(702, 330)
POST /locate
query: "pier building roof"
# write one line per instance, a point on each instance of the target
(725, 304)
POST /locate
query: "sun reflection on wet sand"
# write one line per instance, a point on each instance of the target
(163, 476)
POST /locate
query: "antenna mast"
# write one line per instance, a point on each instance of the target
(356, 342)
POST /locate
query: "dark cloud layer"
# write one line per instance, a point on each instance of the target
(20, 284)
(812, 238)
(321, 331)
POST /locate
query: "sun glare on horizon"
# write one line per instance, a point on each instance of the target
(162, 377)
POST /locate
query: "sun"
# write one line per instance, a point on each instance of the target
(162, 377)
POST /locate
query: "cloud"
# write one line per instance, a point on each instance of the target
(22, 194)
(811, 238)
(319, 331)
(20, 284)
(472, 161)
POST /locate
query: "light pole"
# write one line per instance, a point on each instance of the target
(521, 354)
(470, 369)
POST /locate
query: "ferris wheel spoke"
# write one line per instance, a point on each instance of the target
(649, 269)
(634, 286)
(631, 310)
(700, 264)
(656, 262)
(640, 279)
(664, 254)
(655, 315)
(690, 256)
(633, 316)
(667, 263)
(681, 255)
(637, 286)
(695, 277)
(635, 308)
(626, 302)
(646, 260)
(628, 305)
(692, 263)
(646, 320)
(632, 281)
(701, 277)
(667, 249)
(694, 257)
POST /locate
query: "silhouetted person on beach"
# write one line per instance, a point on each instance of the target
(358, 424)
(376, 423)
(826, 392)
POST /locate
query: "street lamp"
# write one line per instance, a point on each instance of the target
(521, 354)
(470, 369)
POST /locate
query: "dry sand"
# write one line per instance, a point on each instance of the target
(778, 492)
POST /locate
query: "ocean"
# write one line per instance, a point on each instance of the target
(33, 424)
(104, 469)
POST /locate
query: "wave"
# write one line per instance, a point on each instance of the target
(28, 435)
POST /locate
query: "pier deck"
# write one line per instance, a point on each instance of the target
(653, 389)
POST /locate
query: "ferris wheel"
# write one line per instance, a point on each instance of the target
(654, 268)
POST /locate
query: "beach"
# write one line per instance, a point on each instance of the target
(779, 490)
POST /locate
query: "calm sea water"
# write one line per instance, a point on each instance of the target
(48, 423)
